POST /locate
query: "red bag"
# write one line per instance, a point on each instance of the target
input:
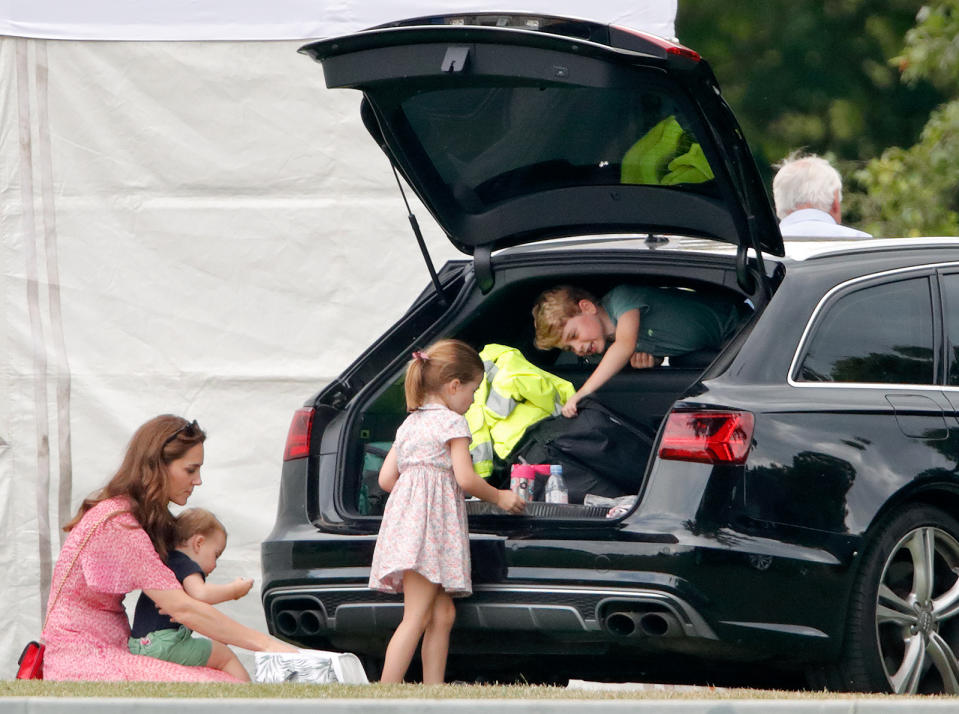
(31, 661)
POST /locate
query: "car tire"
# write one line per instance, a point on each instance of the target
(902, 627)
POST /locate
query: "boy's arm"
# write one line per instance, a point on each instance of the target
(389, 471)
(210, 593)
(616, 357)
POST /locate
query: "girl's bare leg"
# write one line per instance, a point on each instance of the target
(418, 596)
(223, 658)
(436, 639)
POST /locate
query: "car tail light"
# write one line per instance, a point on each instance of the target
(298, 438)
(669, 47)
(709, 437)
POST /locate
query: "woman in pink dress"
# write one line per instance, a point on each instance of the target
(423, 548)
(118, 541)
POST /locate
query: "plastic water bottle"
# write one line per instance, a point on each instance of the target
(556, 486)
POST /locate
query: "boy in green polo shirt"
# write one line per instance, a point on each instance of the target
(635, 325)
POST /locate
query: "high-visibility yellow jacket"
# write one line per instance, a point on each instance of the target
(665, 155)
(513, 394)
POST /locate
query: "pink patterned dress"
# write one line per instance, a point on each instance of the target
(424, 524)
(87, 628)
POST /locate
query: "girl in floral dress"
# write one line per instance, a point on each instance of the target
(423, 547)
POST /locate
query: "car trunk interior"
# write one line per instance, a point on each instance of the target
(642, 397)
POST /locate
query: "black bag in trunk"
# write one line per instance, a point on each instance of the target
(601, 452)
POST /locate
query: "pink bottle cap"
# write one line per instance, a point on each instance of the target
(522, 471)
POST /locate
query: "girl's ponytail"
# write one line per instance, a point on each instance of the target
(438, 364)
(415, 377)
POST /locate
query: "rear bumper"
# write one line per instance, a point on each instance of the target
(776, 612)
(352, 610)
(658, 580)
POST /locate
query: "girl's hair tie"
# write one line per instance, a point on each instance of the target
(421, 356)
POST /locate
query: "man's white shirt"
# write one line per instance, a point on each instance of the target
(813, 222)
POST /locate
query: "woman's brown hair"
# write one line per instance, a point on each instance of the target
(142, 477)
(439, 364)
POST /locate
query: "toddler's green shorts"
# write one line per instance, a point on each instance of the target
(177, 645)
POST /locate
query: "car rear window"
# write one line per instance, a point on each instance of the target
(490, 144)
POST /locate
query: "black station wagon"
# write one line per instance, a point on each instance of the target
(799, 504)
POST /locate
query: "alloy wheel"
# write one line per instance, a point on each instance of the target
(917, 603)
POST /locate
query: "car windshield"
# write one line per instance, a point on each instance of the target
(495, 143)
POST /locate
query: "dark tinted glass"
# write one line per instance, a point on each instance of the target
(950, 289)
(493, 143)
(878, 334)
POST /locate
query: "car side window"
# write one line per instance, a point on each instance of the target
(950, 290)
(877, 334)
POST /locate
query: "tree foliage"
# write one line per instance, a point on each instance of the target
(915, 191)
(815, 76)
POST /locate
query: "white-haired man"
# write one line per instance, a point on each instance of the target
(807, 191)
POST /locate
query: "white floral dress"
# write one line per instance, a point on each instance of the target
(424, 524)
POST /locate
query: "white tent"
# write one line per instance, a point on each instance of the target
(191, 223)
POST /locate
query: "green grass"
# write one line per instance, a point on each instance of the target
(151, 690)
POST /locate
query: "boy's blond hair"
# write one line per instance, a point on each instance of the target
(552, 310)
(196, 521)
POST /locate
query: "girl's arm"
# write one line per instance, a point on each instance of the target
(389, 471)
(470, 482)
(212, 623)
(212, 593)
(616, 357)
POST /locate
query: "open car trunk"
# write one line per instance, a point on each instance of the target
(639, 398)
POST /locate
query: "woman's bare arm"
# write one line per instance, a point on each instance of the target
(212, 623)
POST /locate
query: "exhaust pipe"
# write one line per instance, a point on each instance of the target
(311, 621)
(287, 622)
(631, 623)
(660, 624)
(303, 622)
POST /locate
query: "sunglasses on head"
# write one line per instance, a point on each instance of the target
(189, 430)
